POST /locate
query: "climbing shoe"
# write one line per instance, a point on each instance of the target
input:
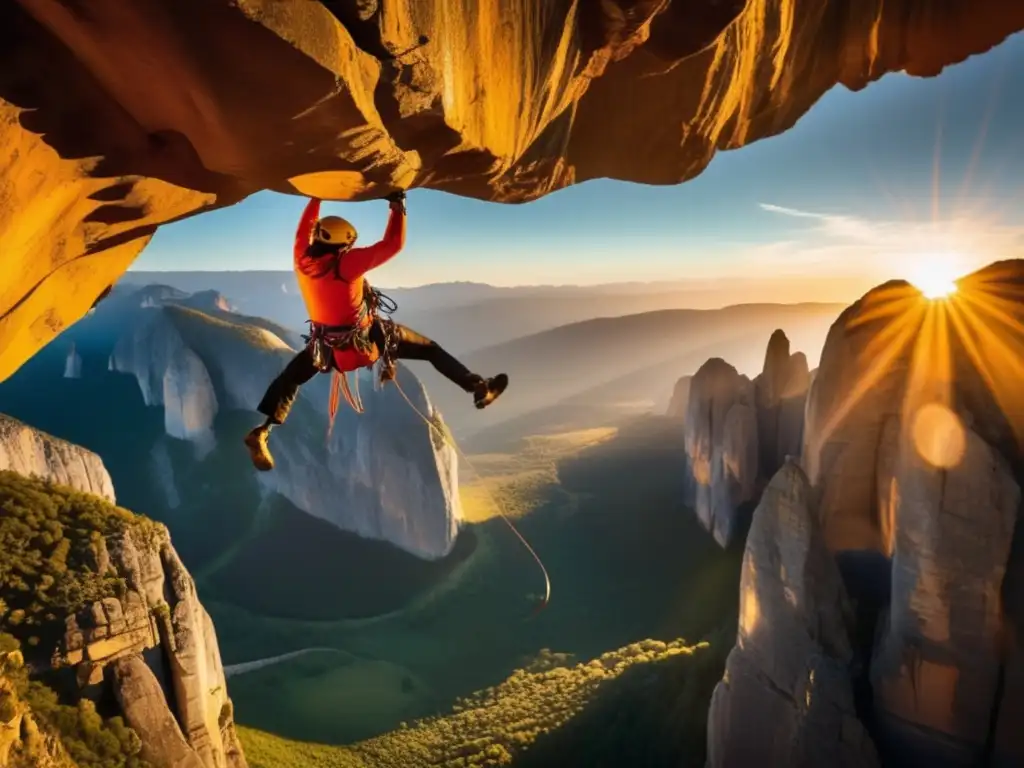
(259, 450)
(489, 390)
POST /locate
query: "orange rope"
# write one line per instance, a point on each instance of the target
(340, 387)
(332, 402)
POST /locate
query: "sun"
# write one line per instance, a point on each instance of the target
(935, 278)
(936, 287)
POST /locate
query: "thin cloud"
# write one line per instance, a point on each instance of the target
(842, 243)
(791, 211)
(840, 225)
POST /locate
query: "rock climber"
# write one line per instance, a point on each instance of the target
(346, 329)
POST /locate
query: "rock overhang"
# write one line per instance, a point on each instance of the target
(116, 118)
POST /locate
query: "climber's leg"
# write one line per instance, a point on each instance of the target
(415, 346)
(276, 405)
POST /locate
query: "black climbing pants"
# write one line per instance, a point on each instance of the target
(282, 392)
(415, 346)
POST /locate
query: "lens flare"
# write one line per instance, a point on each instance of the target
(939, 436)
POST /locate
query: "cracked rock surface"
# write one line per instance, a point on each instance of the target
(117, 117)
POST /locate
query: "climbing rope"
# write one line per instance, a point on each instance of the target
(379, 303)
(497, 505)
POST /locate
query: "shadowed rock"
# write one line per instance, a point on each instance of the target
(786, 697)
(680, 401)
(936, 669)
(781, 391)
(145, 710)
(738, 433)
(721, 447)
(913, 448)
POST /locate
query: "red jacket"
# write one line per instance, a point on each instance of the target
(337, 299)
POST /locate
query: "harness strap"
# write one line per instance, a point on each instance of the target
(357, 336)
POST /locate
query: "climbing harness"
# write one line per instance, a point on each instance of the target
(493, 499)
(323, 340)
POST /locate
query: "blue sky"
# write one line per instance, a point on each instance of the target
(848, 192)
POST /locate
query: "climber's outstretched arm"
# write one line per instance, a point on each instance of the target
(359, 261)
(304, 232)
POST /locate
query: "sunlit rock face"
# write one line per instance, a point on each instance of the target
(30, 452)
(383, 474)
(937, 666)
(177, 701)
(170, 374)
(787, 698)
(119, 117)
(739, 432)
(721, 446)
(913, 459)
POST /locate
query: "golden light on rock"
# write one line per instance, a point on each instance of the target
(939, 436)
(750, 607)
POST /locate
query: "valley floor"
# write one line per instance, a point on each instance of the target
(628, 562)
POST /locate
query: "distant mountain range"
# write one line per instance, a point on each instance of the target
(621, 364)
(573, 353)
(468, 316)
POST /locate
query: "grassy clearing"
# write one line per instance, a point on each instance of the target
(519, 483)
(555, 711)
(358, 692)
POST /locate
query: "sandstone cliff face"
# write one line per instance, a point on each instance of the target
(937, 668)
(781, 393)
(913, 454)
(117, 118)
(786, 698)
(28, 451)
(172, 375)
(385, 474)
(738, 432)
(409, 472)
(721, 446)
(176, 698)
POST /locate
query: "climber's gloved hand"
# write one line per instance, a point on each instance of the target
(397, 200)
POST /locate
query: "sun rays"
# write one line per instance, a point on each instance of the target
(949, 344)
(940, 352)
